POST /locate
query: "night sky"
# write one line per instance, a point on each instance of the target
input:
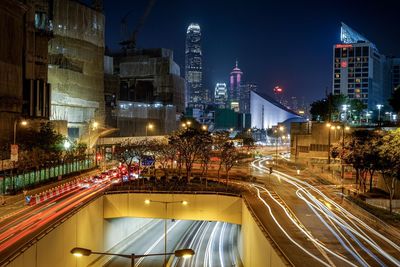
(287, 43)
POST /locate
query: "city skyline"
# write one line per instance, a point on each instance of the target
(279, 27)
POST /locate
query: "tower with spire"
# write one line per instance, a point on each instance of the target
(234, 88)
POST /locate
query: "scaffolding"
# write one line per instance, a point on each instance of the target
(76, 69)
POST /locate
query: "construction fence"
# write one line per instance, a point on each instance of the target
(10, 184)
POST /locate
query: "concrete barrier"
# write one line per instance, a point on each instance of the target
(102, 224)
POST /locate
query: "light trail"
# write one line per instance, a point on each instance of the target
(221, 245)
(156, 242)
(320, 208)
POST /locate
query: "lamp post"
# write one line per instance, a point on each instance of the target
(344, 129)
(379, 106)
(166, 203)
(328, 125)
(93, 124)
(149, 126)
(181, 253)
(23, 123)
(281, 128)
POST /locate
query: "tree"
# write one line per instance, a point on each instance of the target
(189, 143)
(205, 156)
(327, 108)
(319, 110)
(247, 139)
(164, 153)
(229, 158)
(129, 151)
(220, 138)
(389, 162)
(357, 106)
(356, 152)
(394, 100)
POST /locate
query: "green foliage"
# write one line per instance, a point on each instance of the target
(320, 110)
(246, 137)
(44, 138)
(189, 144)
(394, 100)
(369, 151)
(329, 108)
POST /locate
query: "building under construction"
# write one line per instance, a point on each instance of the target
(76, 70)
(25, 30)
(151, 92)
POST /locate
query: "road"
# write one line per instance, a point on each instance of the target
(26, 223)
(215, 244)
(315, 226)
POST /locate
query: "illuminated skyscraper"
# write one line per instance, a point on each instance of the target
(244, 101)
(221, 95)
(359, 70)
(234, 89)
(196, 94)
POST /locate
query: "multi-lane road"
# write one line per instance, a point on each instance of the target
(28, 222)
(215, 244)
(315, 226)
(312, 224)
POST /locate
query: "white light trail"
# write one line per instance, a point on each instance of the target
(348, 222)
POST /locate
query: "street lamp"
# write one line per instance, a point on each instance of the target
(281, 128)
(67, 144)
(330, 127)
(379, 106)
(344, 129)
(94, 124)
(23, 123)
(166, 203)
(204, 127)
(181, 253)
(149, 126)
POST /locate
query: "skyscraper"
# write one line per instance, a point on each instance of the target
(234, 89)
(359, 70)
(221, 95)
(196, 94)
(244, 101)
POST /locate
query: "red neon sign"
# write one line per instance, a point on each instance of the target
(343, 45)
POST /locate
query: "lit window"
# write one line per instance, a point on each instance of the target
(358, 80)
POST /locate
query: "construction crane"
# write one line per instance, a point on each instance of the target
(129, 42)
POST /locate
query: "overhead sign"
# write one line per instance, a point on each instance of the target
(148, 161)
(14, 153)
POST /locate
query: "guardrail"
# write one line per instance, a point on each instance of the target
(7, 259)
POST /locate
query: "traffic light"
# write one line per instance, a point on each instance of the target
(270, 170)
